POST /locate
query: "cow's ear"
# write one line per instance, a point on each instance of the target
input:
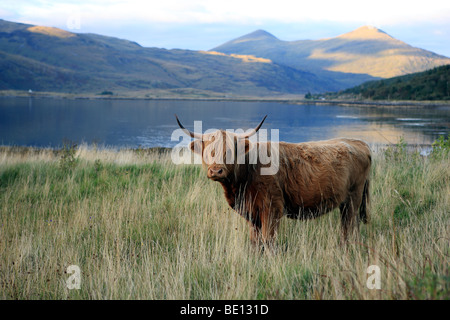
(196, 146)
(248, 145)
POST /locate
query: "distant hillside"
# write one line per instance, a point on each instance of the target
(51, 59)
(428, 85)
(352, 58)
(258, 64)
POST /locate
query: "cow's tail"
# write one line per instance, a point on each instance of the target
(363, 209)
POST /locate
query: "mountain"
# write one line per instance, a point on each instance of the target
(257, 64)
(50, 59)
(363, 54)
(432, 84)
(258, 35)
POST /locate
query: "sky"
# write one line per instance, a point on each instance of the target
(205, 24)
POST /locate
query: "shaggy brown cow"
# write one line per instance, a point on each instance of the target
(312, 179)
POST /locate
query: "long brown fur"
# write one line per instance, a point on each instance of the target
(313, 179)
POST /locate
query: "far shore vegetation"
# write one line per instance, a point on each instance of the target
(194, 95)
(430, 85)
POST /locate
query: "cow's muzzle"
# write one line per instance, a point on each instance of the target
(216, 173)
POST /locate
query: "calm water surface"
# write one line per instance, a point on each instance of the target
(147, 123)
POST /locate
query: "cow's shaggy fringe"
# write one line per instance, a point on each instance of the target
(140, 227)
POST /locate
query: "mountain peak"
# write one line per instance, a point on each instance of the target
(366, 33)
(257, 35)
(261, 33)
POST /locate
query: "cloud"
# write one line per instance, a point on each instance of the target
(203, 24)
(381, 12)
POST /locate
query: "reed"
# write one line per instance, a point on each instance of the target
(140, 227)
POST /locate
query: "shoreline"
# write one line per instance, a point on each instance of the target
(268, 99)
(21, 149)
(381, 103)
(56, 151)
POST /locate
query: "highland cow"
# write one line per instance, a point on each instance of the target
(311, 179)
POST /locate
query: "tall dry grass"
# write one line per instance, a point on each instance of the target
(140, 227)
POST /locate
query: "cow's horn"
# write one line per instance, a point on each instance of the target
(251, 132)
(192, 134)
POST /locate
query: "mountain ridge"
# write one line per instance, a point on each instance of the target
(366, 51)
(256, 35)
(48, 59)
(258, 63)
(366, 32)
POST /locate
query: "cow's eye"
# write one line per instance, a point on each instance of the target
(213, 153)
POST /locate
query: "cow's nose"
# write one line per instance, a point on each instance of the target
(215, 172)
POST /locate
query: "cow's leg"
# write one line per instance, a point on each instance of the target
(263, 229)
(349, 213)
(254, 222)
(269, 218)
(269, 224)
(255, 233)
(267, 210)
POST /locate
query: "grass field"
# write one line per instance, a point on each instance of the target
(140, 227)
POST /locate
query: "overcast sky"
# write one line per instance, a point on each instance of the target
(204, 24)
